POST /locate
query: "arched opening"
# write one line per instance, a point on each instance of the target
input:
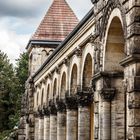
(114, 47)
(87, 72)
(48, 93)
(74, 79)
(63, 86)
(87, 78)
(114, 54)
(37, 99)
(55, 88)
(43, 55)
(42, 96)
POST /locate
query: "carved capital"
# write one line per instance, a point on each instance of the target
(40, 112)
(60, 105)
(107, 94)
(84, 98)
(71, 102)
(52, 108)
(46, 110)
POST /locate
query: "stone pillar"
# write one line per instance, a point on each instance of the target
(102, 84)
(53, 121)
(72, 118)
(41, 125)
(84, 115)
(22, 128)
(61, 120)
(46, 124)
(132, 88)
(27, 131)
(107, 95)
(36, 127)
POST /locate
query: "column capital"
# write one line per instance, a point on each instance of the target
(107, 94)
(52, 107)
(46, 110)
(60, 105)
(40, 111)
(85, 97)
(71, 102)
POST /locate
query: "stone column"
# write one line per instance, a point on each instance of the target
(107, 95)
(61, 120)
(84, 115)
(132, 89)
(27, 131)
(72, 118)
(36, 126)
(41, 125)
(53, 121)
(46, 124)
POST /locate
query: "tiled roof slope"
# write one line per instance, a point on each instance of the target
(58, 22)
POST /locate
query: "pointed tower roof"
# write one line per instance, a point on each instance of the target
(58, 22)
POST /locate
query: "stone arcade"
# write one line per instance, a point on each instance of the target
(84, 79)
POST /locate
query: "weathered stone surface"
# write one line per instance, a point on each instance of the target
(72, 123)
(61, 126)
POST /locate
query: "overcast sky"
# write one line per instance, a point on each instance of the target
(20, 18)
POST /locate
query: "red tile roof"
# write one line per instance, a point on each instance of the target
(58, 22)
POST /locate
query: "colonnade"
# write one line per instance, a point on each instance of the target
(65, 119)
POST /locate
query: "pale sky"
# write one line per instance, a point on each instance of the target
(20, 18)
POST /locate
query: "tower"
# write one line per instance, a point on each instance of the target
(52, 30)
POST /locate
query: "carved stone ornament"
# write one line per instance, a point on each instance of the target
(108, 94)
(30, 120)
(71, 102)
(40, 112)
(60, 105)
(133, 104)
(78, 52)
(84, 99)
(98, 56)
(52, 108)
(46, 110)
(57, 70)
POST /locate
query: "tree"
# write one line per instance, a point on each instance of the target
(21, 71)
(12, 87)
(7, 76)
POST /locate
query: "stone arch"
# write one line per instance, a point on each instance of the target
(42, 96)
(87, 53)
(115, 44)
(54, 94)
(37, 99)
(87, 74)
(74, 62)
(63, 85)
(48, 94)
(74, 77)
(111, 6)
(87, 71)
(43, 55)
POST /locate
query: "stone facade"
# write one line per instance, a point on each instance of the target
(89, 87)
